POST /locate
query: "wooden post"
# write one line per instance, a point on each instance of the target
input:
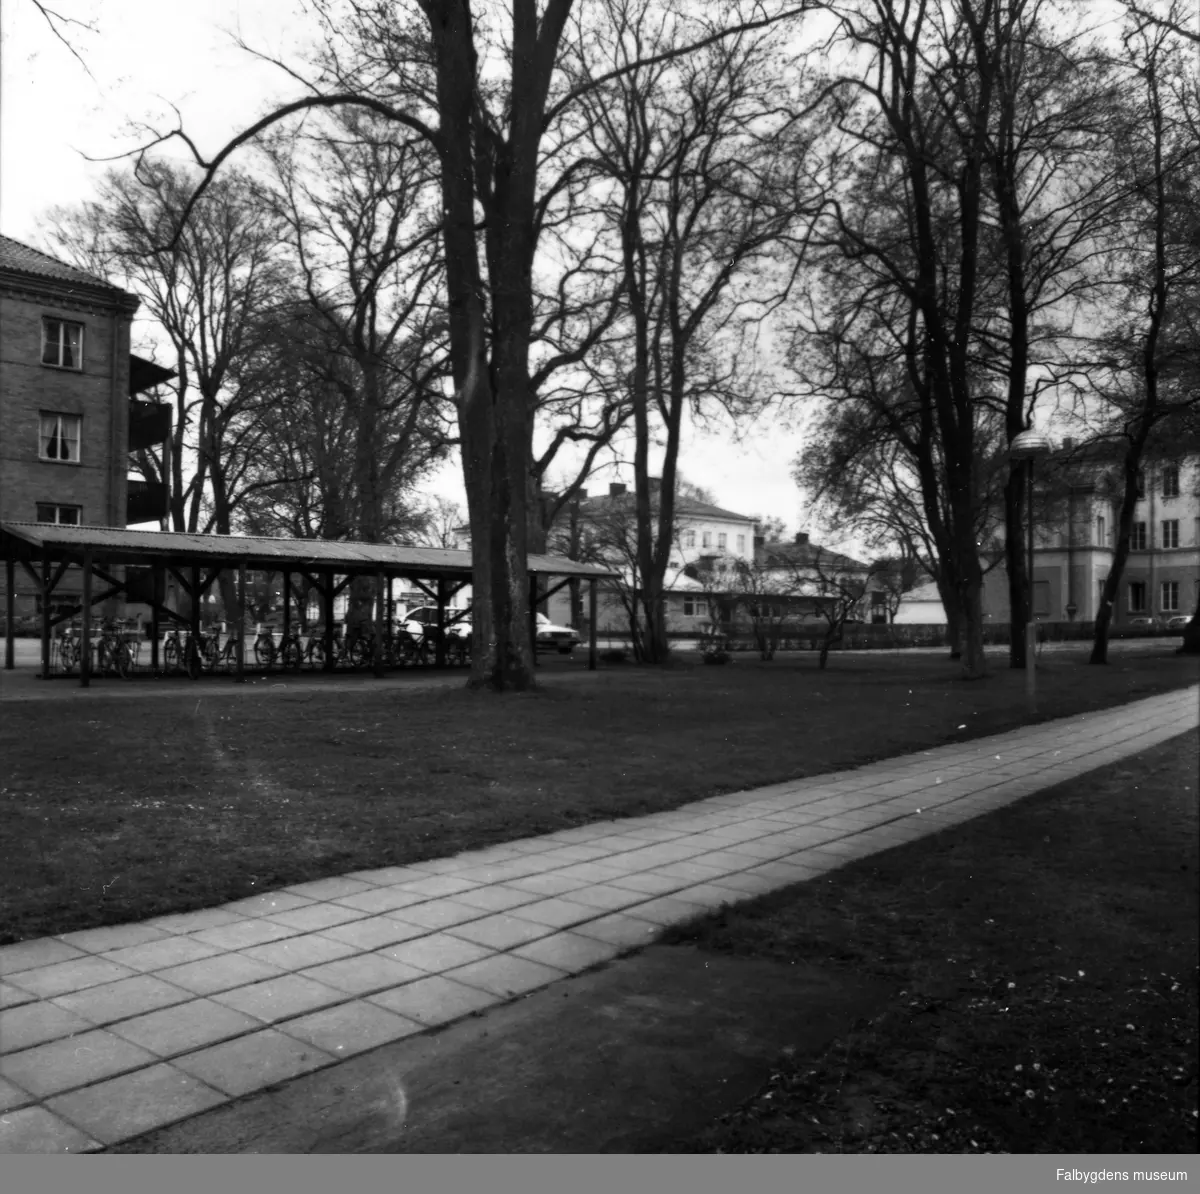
(45, 619)
(377, 643)
(327, 606)
(156, 598)
(193, 646)
(592, 625)
(287, 610)
(85, 634)
(241, 623)
(10, 611)
(533, 590)
(439, 646)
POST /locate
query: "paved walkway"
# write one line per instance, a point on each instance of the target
(109, 1033)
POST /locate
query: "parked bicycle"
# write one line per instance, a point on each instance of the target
(115, 655)
(291, 650)
(314, 653)
(265, 650)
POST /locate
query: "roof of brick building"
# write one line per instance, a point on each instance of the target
(23, 259)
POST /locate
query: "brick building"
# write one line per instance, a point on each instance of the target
(68, 413)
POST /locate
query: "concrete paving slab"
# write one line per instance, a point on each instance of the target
(496, 899)
(376, 900)
(28, 955)
(75, 975)
(549, 884)
(63, 1064)
(221, 972)
(158, 955)
(387, 876)
(351, 1028)
(569, 952)
(185, 1028)
(243, 933)
(12, 996)
(122, 999)
(268, 902)
(437, 952)
(191, 922)
(440, 885)
(253, 1062)
(98, 941)
(136, 1103)
(12, 1096)
(33, 1023)
(363, 974)
(299, 953)
(605, 897)
(504, 930)
(281, 998)
(37, 1130)
(317, 916)
(376, 931)
(505, 974)
(438, 914)
(328, 889)
(435, 1000)
(621, 929)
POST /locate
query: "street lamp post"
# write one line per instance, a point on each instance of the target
(1026, 447)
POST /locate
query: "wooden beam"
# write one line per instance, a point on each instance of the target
(85, 635)
(592, 625)
(241, 623)
(10, 611)
(46, 590)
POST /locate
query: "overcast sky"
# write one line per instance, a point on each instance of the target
(147, 55)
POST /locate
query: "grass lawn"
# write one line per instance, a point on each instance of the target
(1045, 966)
(121, 807)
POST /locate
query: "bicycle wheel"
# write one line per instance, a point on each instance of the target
(171, 654)
(210, 655)
(123, 660)
(264, 651)
(229, 654)
(69, 654)
(361, 653)
(293, 657)
(315, 654)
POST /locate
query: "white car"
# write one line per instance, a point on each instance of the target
(550, 637)
(424, 620)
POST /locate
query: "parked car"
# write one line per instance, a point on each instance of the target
(1147, 621)
(424, 620)
(1178, 622)
(550, 637)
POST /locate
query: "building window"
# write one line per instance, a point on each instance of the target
(1101, 531)
(1041, 599)
(1137, 537)
(689, 538)
(66, 516)
(1170, 482)
(1141, 484)
(62, 344)
(722, 539)
(1170, 536)
(707, 539)
(1170, 596)
(741, 541)
(1137, 597)
(690, 607)
(58, 437)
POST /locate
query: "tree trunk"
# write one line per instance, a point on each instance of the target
(1191, 636)
(1112, 582)
(1015, 562)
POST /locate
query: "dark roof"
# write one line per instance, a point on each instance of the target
(128, 546)
(803, 555)
(144, 374)
(683, 505)
(23, 259)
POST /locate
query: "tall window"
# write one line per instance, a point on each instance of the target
(689, 538)
(1170, 535)
(58, 437)
(1170, 481)
(1137, 597)
(722, 539)
(1170, 596)
(707, 539)
(741, 542)
(1101, 531)
(67, 516)
(1137, 537)
(691, 607)
(62, 344)
(1141, 484)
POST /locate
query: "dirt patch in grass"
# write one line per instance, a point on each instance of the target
(1044, 962)
(127, 807)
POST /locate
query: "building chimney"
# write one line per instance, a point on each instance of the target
(615, 489)
(801, 537)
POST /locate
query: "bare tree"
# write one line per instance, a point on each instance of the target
(486, 96)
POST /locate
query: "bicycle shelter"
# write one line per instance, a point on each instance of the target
(134, 564)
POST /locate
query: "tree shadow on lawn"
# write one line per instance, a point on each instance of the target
(133, 807)
(1044, 959)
